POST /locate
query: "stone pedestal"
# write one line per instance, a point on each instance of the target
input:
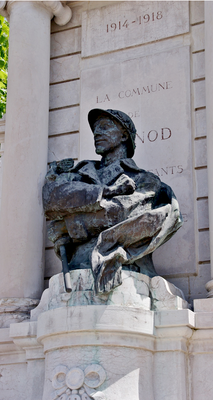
(102, 351)
(137, 290)
(97, 349)
(100, 347)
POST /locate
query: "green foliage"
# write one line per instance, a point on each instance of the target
(4, 43)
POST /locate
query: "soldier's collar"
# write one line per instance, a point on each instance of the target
(126, 163)
(129, 163)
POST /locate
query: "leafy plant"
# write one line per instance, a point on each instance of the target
(4, 44)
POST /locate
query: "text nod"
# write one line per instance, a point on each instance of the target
(154, 135)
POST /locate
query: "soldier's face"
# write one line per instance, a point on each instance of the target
(107, 135)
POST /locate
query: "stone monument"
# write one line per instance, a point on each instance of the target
(119, 330)
(107, 217)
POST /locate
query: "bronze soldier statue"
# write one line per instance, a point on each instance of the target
(109, 214)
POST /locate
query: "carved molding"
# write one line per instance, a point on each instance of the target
(62, 12)
(76, 384)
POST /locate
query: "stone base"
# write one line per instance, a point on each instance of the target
(137, 290)
(100, 346)
(109, 351)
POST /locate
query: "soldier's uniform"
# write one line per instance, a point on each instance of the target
(106, 234)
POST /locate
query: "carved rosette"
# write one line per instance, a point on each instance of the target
(76, 384)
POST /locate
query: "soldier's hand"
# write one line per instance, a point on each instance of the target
(65, 241)
(123, 185)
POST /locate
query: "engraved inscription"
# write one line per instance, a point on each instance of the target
(168, 170)
(136, 91)
(127, 24)
(141, 19)
(102, 99)
(146, 89)
(153, 135)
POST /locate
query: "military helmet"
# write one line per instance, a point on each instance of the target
(120, 117)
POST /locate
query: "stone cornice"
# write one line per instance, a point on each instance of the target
(58, 9)
(62, 13)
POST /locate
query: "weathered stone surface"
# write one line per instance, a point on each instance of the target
(100, 344)
(196, 12)
(42, 306)
(13, 310)
(134, 292)
(131, 23)
(200, 153)
(85, 339)
(203, 214)
(200, 123)
(74, 22)
(198, 42)
(198, 65)
(203, 305)
(137, 290)
(65, 68)
(65, 94)
(199, 94)
(201, 365)
(76, 338)
(61, 147)
(64, 121)
(63, 43)
(201, 182)
(15, 373)
(166, 296)
(204, 246)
